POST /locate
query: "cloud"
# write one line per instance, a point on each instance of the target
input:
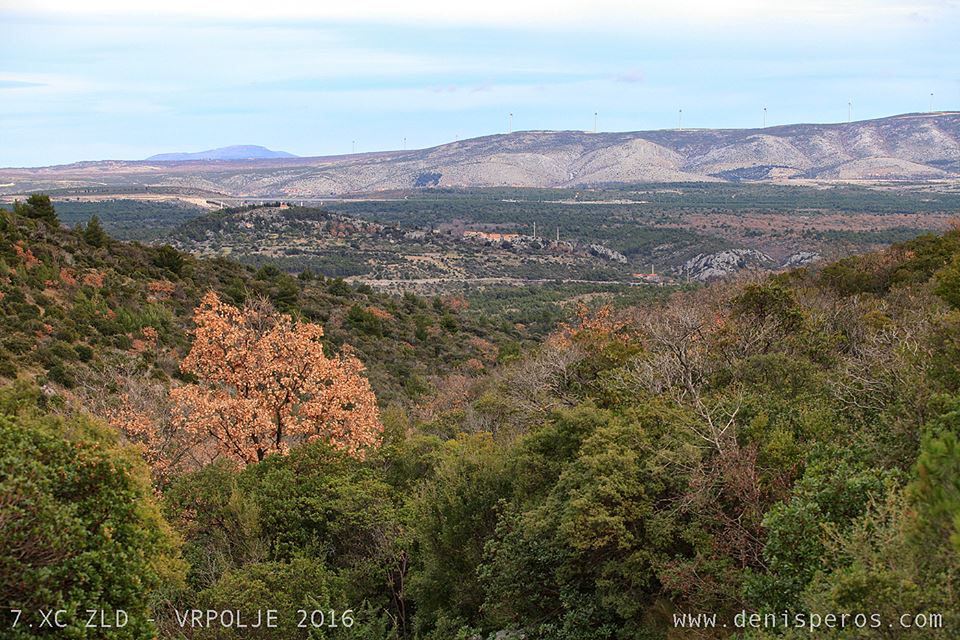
(127, 106)
(631, 76)
(313, 77)
(576, 14)
(19, 84)
(41, 83)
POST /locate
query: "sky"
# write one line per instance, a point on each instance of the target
(109, 79)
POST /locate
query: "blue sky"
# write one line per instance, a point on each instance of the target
(84, 80)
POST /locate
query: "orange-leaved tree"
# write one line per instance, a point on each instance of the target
(264, 383)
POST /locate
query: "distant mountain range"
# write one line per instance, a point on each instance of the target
(915, 147)
(235, 152)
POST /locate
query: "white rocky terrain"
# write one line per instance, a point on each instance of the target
(906, 147)
(704, 267)
(800, 259)
(711, 266)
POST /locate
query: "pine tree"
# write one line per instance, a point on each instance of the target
(38, 207)
(94, 234)
(170, 259)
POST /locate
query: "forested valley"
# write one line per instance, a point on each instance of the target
(182, 433)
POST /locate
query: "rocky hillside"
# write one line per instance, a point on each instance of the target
(905, 147)
(297, 238)
(711, 266)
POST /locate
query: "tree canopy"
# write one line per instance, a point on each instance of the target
(265, 383)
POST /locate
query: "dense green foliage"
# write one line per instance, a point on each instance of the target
(79, 526)
(143, 220)
(653, 221)
(312, 530)
(540, 308)
(742, 197)
(786, 445)
(37, 207)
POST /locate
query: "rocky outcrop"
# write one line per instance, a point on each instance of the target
(607, 253)
(800, 259)
(710, 266)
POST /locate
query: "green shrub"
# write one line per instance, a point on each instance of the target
(84, 352)
(8, 369)
(61, 374)
(170, 259)
(301, 584)
(80, 529)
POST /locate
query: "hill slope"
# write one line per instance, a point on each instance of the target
(75, 313)
(784, 444)
(904, 147)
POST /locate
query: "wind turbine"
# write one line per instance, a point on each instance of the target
(849, 110)
(931, 102)
(594, 121)
(680, 120)
(764, 117)
(510, 130)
